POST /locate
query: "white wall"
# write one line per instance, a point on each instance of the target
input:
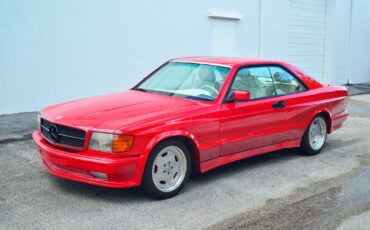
(274, 29)
(348, 46)
(337, 41)
(360, 42)
(52, 51)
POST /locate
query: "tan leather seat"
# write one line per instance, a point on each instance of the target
(245, 81)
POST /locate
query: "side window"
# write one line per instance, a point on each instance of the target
(285, 82)
(257, 80)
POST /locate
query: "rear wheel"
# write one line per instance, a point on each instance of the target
(167, 169)
(315, 136)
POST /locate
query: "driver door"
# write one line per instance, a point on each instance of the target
(246, 125)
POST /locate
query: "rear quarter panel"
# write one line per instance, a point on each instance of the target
(303, 107)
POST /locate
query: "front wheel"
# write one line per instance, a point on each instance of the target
(315, 136)
(167, 169)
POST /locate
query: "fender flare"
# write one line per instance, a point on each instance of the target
(321, 110)
(168, 134)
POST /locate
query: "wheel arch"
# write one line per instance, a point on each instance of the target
(326, 113)
(185, 137)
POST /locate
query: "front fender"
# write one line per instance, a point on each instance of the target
(168, 134)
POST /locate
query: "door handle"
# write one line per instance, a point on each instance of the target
(279, 104)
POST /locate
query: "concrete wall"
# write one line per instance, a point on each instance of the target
(348, 42)
(52, 51)
(337, 41)
(274, 29)
(359, 66)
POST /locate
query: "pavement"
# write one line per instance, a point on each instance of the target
(278, 190)
(358, 89)
(18, 126)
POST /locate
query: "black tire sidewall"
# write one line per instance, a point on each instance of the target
(147, 181)
(305, 143)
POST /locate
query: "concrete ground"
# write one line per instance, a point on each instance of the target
(279, 190)
(358, 89)
(18, 126)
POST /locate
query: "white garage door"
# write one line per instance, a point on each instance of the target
(307, 23)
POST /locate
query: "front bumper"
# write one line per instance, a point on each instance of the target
(121, 172)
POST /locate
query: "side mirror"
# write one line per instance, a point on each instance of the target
(239, 95)
(242, 95)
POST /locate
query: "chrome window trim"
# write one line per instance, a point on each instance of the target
(199, 62)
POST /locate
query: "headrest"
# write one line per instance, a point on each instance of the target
(206, 74)
(282, 76)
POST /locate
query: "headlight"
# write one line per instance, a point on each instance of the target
(108, 142)
(101, 141)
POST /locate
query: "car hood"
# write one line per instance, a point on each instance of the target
(119, 110)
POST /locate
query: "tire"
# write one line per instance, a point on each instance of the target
(314, 138)
(167, 169)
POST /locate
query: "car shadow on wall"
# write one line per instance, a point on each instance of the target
(196, 180)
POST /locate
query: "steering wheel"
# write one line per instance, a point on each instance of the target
(212, 90)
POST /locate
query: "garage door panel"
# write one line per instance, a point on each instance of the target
(306, 38)
(316, 2)
(312, 42)
(304, 50)
(298, 40)
(299, 21)
(310, 65)
(307, 58)
(304, 15)
(306, 35)
(306, 10)
(299, 29)
(307, 23)
(318, 5)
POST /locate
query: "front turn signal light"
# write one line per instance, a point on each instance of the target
(122, 143)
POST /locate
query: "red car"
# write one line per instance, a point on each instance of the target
(189, 114)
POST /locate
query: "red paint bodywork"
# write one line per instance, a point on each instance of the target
(216, 132)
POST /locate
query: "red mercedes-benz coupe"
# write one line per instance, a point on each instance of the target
(189, 114)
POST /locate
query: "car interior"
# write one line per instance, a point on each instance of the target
(261, 85)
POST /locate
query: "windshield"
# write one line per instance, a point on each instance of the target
(186, 80)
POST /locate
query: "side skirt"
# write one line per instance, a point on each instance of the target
(222, 160)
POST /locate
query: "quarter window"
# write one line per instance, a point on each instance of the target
(257, 80)
(285, 83)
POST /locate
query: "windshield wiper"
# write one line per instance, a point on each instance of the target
(198, 98)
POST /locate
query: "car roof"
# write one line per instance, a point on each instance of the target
(225, 61)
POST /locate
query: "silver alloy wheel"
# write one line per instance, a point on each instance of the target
(169, 169)
(317, 133)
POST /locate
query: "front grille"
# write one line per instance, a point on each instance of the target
(67, 136)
